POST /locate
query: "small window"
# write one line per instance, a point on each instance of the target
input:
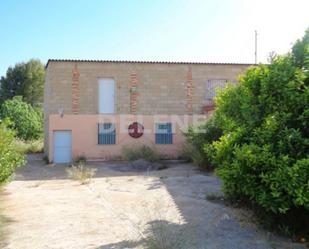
(212, 86)
(164, 134)
(107, 133)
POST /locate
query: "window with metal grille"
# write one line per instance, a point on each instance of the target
(106, 133)
(212, 86)
(164, 134)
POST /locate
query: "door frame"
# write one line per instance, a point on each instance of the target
(54, 144)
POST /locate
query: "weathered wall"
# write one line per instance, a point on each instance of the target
(85, 133)
(71, 87)
(161, 88)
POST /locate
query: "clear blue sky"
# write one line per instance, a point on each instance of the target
(173, 30)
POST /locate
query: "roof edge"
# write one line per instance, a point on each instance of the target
(147, 62)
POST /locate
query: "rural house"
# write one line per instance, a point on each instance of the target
(94, 108)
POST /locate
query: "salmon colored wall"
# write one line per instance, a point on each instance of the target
(85, 133)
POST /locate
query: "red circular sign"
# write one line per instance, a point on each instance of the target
(136, 130)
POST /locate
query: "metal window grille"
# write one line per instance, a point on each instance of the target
(212, 86)
(164, 134)
(106, 133)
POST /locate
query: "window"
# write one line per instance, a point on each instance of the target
(106, 96)
(164, 133)
(107, 133)
(212, 86)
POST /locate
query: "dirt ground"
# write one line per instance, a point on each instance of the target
(121, 207)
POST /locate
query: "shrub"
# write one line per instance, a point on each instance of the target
(80, 159)
(198, 148)
(140, 152)
(190, 153)
(263, 152)
(81, 173)
(30, 146)
(27, 122)
(10, 157)
(259, 137)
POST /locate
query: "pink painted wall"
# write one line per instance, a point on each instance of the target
(85, 133)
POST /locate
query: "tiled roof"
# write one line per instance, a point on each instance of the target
(147, 62)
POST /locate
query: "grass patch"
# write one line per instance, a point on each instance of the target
(81, 173)
(162, 234)
(31, 146)
(140, 152)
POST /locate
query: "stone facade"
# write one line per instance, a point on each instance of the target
(141, 88)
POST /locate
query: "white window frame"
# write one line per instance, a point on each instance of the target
(101, 107)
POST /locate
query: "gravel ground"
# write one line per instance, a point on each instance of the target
(121, 207)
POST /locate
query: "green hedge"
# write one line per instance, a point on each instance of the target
(10, 157)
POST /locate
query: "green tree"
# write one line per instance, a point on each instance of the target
(263, 152)
(300, 51)
(26, 80)
(27, 122)
(10, 157)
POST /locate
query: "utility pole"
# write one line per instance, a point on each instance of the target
(255, 52)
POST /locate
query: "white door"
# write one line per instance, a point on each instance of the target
(62, 146)
(106, 95)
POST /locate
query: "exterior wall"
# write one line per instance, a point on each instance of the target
(46, 110)
(162, 88)
(85, 133)
(143, 89)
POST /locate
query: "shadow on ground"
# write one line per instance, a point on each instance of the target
(4, 221)
(160, 234)
(209, 225)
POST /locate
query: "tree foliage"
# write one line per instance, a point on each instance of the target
(10, 157)
(26, 80)
(27, 121)
(263, 153)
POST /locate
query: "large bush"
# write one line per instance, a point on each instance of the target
(263, 154)
(27, 122)
(10, 157)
